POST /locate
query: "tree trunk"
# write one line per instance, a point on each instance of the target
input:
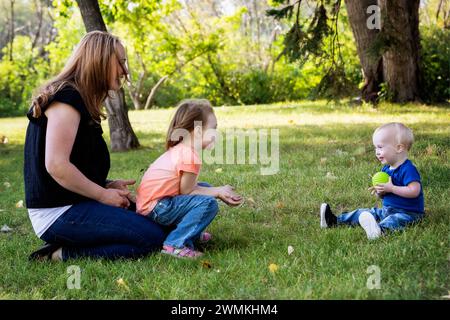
(40, 16)
(364, 37)
(258, 29)
(11, 32)
(136, 91)
(401, 61)
(121, 133)
(92, 17)
(134, 95)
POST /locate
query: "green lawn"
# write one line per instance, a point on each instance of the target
(326, 154)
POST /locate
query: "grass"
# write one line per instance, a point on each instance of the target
(325, 155)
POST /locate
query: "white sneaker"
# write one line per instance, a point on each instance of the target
(323, 221)
(370, 225)
(327, 218)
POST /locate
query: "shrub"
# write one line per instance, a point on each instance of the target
(435, 64)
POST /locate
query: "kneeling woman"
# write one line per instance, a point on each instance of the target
(71, 205)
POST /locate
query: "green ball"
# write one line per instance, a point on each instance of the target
(379, 178)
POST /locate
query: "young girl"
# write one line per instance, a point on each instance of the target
(169, 193)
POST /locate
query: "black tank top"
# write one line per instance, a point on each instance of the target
(89, 154)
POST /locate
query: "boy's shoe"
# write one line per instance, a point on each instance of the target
(327, 218)
(181, 252)
(370, 225)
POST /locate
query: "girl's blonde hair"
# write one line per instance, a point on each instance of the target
(188, 111)
(87, 71)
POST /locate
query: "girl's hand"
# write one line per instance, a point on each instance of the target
(227, 195)
(233, 201)
(115, 198)
(384, 188)
(122, 185)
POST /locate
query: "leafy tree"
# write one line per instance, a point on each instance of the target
(121, 133)
(390, 55)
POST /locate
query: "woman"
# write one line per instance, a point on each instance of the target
(70, 203)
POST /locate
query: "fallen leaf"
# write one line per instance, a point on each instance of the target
(290, 250)
(330, 175)
(219, 170)
(251, 201)
(206, 264)
(5, 228)
(429, 150)
(122, 284)
(280, 205)
(359, 151)
(19, 204)
(7, 185)
(273, 267)
(339, 152)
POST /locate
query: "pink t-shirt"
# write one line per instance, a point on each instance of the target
(163, 177)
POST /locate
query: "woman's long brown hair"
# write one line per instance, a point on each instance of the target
(87, 71)
(188, 111)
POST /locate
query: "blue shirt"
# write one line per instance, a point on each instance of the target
(402, 176)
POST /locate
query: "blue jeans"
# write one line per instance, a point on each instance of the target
(190, 214)
(388, 218)
(93, 229)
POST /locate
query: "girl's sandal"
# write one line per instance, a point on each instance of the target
(205, 237)
(185, 252)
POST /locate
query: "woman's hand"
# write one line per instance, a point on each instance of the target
(115, 198)
(122, 185)
(226, 194)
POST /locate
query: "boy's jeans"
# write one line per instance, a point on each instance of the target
(191, 214)
(388, 218)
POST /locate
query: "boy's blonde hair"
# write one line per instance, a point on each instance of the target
(403, 134)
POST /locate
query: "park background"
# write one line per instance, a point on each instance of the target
(324, 73)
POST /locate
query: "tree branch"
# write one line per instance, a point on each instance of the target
(153, 91)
